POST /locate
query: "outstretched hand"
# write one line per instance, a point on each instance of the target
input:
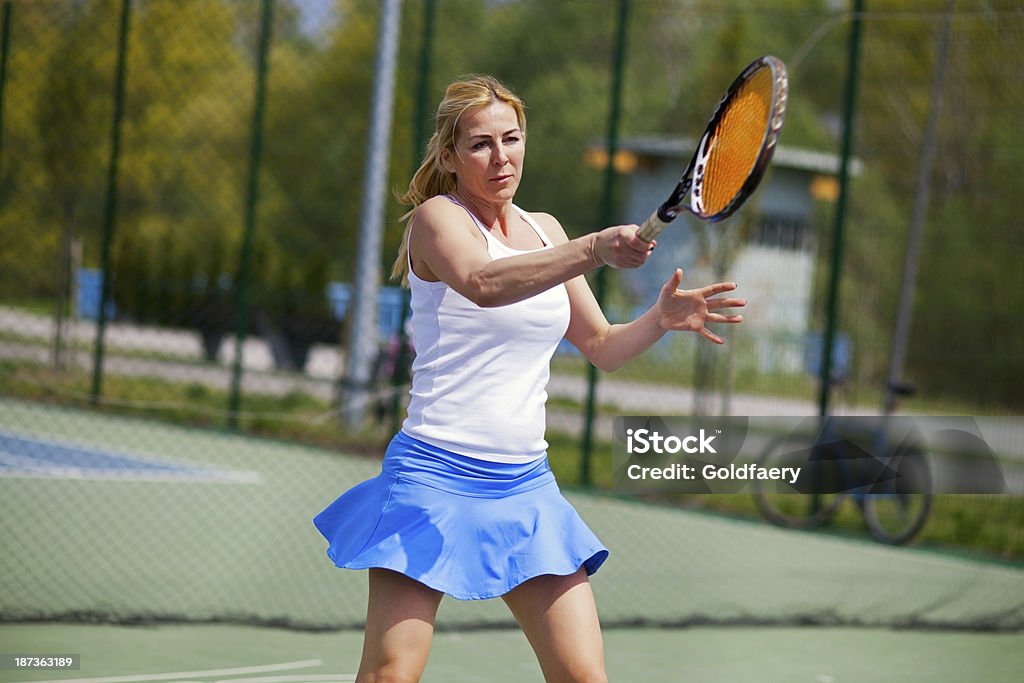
(690, 310)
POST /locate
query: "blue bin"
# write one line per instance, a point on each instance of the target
(90, 283)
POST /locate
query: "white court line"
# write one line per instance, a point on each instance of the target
(311, 678)
(183, 675)
(21, 467)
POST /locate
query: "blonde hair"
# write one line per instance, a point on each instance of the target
(431, 179)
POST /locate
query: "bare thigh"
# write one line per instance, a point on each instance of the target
(400, 618)
(559, 617)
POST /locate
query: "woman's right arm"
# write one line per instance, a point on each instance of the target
(447, 246)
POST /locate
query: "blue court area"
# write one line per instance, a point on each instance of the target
(27, 456)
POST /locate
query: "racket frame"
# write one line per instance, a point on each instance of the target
(693, 176)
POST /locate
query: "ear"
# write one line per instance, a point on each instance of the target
(446, 160)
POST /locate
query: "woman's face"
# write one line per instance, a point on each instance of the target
(489, 152)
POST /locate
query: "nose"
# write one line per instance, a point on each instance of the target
(500, 156)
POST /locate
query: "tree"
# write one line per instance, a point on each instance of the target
(70, 114)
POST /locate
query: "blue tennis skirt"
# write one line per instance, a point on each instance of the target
(470, 528)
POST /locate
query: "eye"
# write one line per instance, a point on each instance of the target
(482, 144)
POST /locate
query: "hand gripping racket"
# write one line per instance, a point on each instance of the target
(734, 151)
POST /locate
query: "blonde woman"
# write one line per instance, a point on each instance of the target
(466, 504)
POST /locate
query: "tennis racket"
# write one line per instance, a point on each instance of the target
(733, 152)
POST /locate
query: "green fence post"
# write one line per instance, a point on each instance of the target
(110, 211)
(832, 304)
(242, 282)
(607, 207)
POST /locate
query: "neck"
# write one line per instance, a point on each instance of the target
(493, 215)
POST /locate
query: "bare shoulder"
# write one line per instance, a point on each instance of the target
(442, 240)
(437, 209)
(440, 215)
(551, 227)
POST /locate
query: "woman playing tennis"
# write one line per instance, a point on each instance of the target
(465, 503)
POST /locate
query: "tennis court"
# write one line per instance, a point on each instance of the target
(248, 655)
(164, 553)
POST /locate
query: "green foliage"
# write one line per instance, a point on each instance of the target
(959, 345)
(187, 131)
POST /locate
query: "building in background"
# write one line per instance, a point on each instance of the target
(768, 246)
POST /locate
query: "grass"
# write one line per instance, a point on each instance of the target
(293, 416)
(990, 526)
(786, 385)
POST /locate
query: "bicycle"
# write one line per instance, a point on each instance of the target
(894, 498)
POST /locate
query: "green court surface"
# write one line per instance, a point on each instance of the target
(258, 655)
(110, 521)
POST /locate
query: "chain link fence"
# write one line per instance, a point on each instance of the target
(158, 265)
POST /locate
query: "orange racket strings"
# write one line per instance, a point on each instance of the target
(737, 142)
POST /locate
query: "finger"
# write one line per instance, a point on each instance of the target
(717, 288)
(674, 281)
(636, 242)
(707, 334)
(638, 258)
(726, 303)
(719, 318)
(636, 235)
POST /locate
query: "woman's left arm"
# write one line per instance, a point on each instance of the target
(609, 346)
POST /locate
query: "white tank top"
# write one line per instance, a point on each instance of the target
(480, 376)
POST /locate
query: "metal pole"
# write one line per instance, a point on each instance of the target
(607, 207)
(110, 209)
(363, 336)
(419, 137)
(832, 303)
(918, 214)
(252, 198)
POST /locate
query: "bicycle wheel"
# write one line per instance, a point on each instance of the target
(795, 510)
(895, 517)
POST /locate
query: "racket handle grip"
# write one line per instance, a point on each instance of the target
(651, 227)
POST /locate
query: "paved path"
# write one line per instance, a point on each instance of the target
(176, 355)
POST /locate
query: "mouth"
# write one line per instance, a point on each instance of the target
(502, 179)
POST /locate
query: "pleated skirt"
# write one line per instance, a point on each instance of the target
(470, 528)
